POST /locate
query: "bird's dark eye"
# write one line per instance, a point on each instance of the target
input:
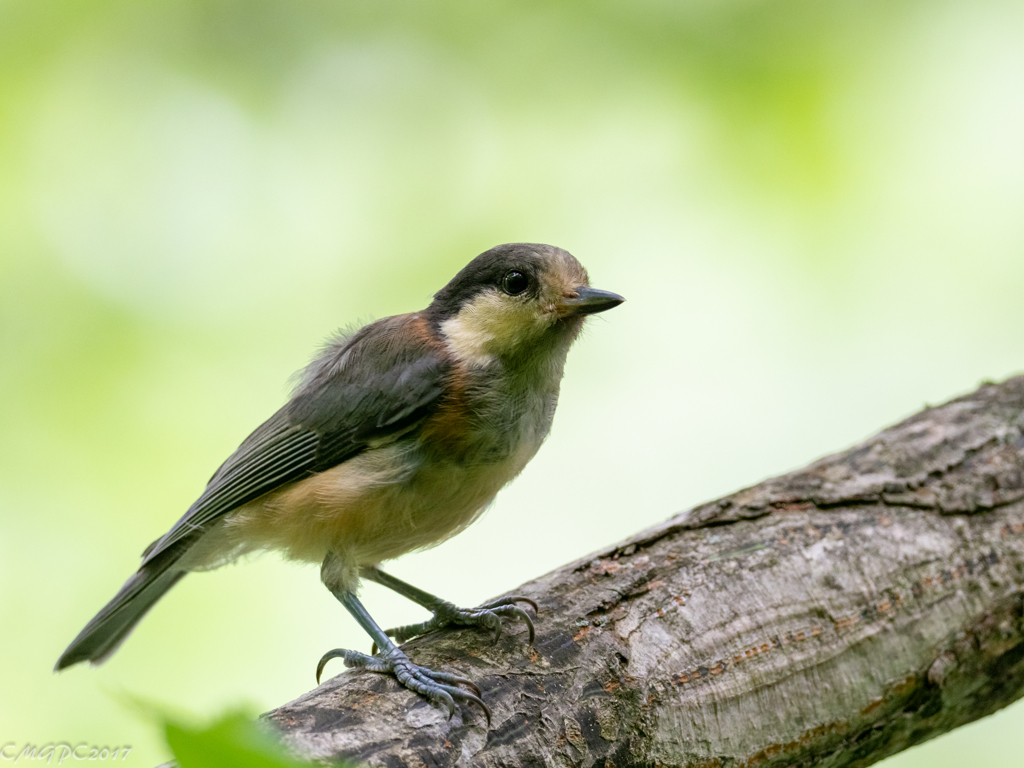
(515, 283)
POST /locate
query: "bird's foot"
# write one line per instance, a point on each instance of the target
(437, 687)
(488, 615)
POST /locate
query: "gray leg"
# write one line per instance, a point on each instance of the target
(438, 687)
(488, 615)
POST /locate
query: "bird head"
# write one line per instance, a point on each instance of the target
(514, 301)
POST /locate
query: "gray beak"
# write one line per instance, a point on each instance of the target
(589, 301)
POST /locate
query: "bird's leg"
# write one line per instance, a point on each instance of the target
(437, 687)
(487, 615)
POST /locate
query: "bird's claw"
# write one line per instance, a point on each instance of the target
(438, 687)
(487, 615)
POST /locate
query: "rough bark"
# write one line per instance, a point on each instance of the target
(833, 617)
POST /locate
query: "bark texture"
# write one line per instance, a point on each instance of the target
(833, 616)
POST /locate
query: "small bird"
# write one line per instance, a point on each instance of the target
(396, 438)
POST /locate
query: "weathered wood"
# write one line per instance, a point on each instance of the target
(833, 616)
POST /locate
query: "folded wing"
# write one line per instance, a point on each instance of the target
(365, 390)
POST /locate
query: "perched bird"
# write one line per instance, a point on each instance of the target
(395, 439)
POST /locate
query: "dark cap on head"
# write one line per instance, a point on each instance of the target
(490, 268)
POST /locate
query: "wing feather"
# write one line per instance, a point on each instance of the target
(374, 386)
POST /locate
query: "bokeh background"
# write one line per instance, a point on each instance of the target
(816, 211)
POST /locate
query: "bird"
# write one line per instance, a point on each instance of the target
(396, 437)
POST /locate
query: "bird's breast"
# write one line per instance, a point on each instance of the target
(414, 492)
(386, 501)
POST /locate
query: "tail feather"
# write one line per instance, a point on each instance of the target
(108, 628)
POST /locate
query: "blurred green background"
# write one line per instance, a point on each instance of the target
(816, 211)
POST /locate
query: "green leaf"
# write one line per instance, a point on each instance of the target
(235, 740)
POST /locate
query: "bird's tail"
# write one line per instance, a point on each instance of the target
(108, 628)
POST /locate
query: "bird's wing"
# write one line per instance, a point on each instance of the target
(366, 390)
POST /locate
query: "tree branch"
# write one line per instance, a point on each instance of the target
(833, 616)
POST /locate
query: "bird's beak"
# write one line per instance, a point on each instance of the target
(589, 301)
